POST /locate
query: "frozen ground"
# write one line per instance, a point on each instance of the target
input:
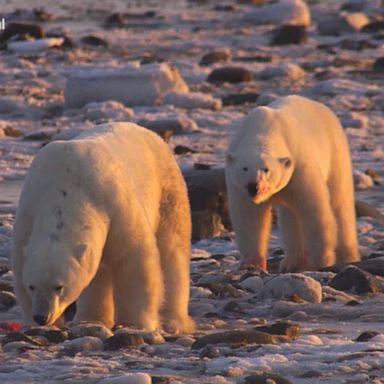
(336, 70)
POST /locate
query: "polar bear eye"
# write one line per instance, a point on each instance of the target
(31, 287)
(266, 170)
(59, 288)
(245, 168)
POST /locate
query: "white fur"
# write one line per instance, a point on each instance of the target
(106, 216)
(309, 178)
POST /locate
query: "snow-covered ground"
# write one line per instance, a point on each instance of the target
(336, 70)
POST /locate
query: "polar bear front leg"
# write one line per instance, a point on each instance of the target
(316, 218)
(96, 301)
(292, 238)
(252, 225)
(138, 284)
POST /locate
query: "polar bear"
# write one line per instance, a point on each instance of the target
(104, 219)
(292, 154)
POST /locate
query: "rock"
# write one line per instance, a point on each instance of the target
(212, 278)
(208, 193)
(185, 341)
(364, 209)
(239, 98)
(18, 347)
(378, 65)
(123, 340)
(289, 34)
(286, 285)
(293, 12)
(352, 278)
(209, 352)
(90, 329)
(50, 333)
(285, 328)
(205, 224)
(39, 136)
(253, 284)
(150, 59)
(34, 46)
(353, 119)
(266, 378)
(130, 85)
(9, 106)
(21, 30)
(342, 24)
(361, 180)
(7, 300)
(235, 338)
(82, 344)
(128, 378)
(233, 306)
(182, 150)
(201, 166)
(357, 45)
(177, 125)
(20, 336)
(289, 70)
(230, 75)
(94, 41)
(115, 20)
(373, 27)
(216, 56)
(192, 100)
(106, 110)
(366, 336)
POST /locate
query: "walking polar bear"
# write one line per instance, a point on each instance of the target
(104, 219)
(293, 154)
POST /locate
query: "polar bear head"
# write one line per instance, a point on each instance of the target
(260, 175)
(54, 275)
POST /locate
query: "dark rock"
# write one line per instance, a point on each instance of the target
(289, 34)
(94, 41)
(52, 335)
(201, 167)
(364, 209)
(311, 374)
(372, 265)
(224, 8)
(208, 193)
(38, 136)
(217, 56)
(237, 338)
(7, 300)
(358, 280)
(90, 329)
(367, 335)
(123, 340)
(230, 75)
(334, 26)
(266, 378)
(209, 352)
(378, 65)
(20, 336)
(175, 125)
(261, 58)
(357, 45)
(12, 132)
(373, 27)
(352, 303)
(240, 98)
(115, 20)
(182, 150)
(21, 30)
(205, 224)
(233, 306)
(285, 328)
(152, 59)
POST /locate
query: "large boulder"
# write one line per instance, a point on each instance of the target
(131, 85)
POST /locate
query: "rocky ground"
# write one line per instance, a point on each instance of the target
(323, 326)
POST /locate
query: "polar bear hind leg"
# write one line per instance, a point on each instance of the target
(292, 238)
(173, 239)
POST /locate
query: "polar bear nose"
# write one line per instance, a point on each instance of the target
(252, 189)
(42, 320)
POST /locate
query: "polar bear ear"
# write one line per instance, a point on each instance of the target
(285, 161)
(230, 158)
(79, 251)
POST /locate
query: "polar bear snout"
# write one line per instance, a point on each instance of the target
(40, 319)
(252, 188)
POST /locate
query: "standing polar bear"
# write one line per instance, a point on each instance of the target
(293, 154)
(104, 219)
